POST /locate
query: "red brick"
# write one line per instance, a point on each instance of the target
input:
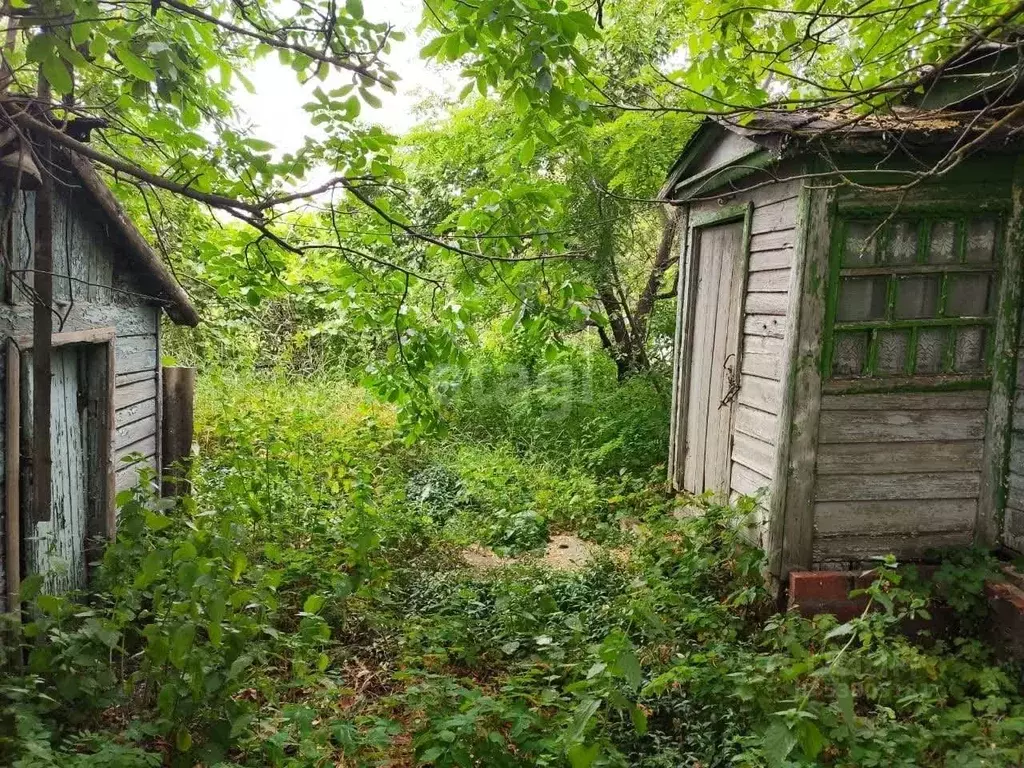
(814, 586)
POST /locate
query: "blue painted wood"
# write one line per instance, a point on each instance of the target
(55, 548)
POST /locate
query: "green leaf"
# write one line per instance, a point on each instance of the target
(166, 699)
(521, 102)
(183, 740)
(239, 665)
(583, 757)
(811, 739)
(370, 98)
(432, 48)
(840, 631)
(354, 8)
(581, 718)
(431, 754)
(136, 67)
(639, 718)
(313, 604)
(628, 665)
(778, 743)
(181, 643)
(527, 151)
(844, 698)
(56, 73)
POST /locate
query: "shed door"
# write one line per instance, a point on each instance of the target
(714, 343)
(56, 547)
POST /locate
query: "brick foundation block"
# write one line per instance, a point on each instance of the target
(1006, 618)
(815, 592)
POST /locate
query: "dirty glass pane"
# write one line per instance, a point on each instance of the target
(861, 240)
(981, 240)
(942, 248)
(892, 351)
(970, 350)
(861, 298)
(902, 245)
(917, 296)
(849, 354)
(931, 346)
(968, 296)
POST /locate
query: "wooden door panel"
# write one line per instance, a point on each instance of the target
(717, 323)
(56, 547)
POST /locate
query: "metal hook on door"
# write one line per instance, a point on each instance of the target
(734, 383)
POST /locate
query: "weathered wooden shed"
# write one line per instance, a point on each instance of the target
(848, 335)
(109, 291)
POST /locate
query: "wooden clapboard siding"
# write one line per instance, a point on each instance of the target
(747, 482)
(897, 473)
(95, 287)
(753, 453)
(841, 551)
(894, 458)
(910, 425)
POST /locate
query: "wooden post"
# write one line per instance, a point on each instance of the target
(12, 478)
(42, 325)
(177, 428)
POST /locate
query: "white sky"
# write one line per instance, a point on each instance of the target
(275, 109)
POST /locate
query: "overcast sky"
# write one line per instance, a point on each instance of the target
(275, 109)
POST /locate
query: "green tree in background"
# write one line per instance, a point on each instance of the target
(530, 208)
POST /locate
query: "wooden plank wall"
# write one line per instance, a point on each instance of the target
(1013, 517)
(897, 473)
(756, 425)
(94, 287)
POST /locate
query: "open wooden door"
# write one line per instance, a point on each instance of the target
(59, 547)
(713, 371)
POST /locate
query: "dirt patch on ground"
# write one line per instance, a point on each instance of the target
(564, 552)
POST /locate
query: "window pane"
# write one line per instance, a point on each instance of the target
(917, 296)
(902, 246)
(981, 240)
(892, 351)
(859, 248)
(850, 351)
(931, 347)
(942, 248)
(970, 350)
(861, 298)
(968, 296)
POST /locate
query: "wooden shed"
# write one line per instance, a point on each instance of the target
(848, 335)
(109, 290)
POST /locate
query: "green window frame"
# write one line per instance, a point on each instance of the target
(912, 298)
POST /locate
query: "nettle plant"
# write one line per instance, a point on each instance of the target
(185, 626)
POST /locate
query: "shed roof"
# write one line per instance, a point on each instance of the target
(779, 134)
(975, 96)
(155, 272)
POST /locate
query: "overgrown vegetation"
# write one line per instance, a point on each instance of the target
(310, 606)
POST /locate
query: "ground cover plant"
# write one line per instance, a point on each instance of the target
(309, 605)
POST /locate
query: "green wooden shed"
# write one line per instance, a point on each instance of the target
(848, 342)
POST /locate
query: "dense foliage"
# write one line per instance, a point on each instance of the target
(316, 602)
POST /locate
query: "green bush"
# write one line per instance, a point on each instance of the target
(309, 606)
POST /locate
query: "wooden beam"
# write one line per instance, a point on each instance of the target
(176, 437)
(794, 530)
(87, 336)
(12, 478)
(42, 332)
(106, 451)
(995, 461)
